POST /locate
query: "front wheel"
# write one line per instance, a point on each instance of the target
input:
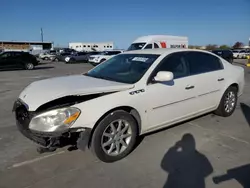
(29, 66)
(114, 137)
(72, 60)
(228, 102)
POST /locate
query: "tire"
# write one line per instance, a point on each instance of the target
(29, 66)
(99, 140)
(231, 60)
(221, 110)
(72, 60)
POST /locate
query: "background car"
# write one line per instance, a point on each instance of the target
(46, 56)
(240, 54)
(61, 56)
(76, 57)
(13, 59)
(97, 59)
(80, 56)
(225, 54)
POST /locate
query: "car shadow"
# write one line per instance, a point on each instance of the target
(44, 67)
(240, 174)
(246, 112)
(19, 69)
(185, 166)
(180, 123)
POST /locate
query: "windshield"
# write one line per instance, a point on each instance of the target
(125, 68)
(136, 46)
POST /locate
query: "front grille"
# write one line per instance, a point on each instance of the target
(91, 58)
(23, 117)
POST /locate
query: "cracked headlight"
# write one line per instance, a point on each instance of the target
(55, 120)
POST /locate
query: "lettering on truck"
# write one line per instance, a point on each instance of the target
(177, 46)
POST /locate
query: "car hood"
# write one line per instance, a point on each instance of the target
(43, 91)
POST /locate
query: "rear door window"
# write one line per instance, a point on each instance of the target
(200, 62)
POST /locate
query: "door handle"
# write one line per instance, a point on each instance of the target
(220, 79)
(189, 87)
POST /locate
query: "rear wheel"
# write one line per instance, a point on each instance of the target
(231, 60)
(114, 137)
(29, 66)
(228, 102)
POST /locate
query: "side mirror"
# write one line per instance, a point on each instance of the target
(164, 76)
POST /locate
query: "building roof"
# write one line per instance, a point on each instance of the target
(26, 42)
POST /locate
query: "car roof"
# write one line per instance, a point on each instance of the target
(165, 51)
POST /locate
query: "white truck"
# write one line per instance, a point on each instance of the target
(159, 41)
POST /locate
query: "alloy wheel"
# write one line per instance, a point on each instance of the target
(116, 137)
(230, 101)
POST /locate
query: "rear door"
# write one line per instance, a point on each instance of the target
(209, 72)
(81, 56)
(18, 59)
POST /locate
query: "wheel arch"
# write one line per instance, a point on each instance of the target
(235, 85)
(135, 114)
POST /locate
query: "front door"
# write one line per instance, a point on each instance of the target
(5, 60)
(171, 101)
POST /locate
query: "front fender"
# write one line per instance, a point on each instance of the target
(93, 110)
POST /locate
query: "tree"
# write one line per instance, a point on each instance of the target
(238, 45)
(224, 47)
(211, 47)
(194, 47)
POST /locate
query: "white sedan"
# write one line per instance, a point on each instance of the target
(99, 58)
(131, 94)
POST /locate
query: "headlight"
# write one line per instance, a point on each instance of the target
(55, 120)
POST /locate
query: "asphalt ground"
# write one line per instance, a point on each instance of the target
(220, 146)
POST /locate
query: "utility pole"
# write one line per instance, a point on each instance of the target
(42, 34)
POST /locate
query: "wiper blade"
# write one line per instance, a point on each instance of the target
(99, 77)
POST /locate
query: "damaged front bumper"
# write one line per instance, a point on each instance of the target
(53, 140)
